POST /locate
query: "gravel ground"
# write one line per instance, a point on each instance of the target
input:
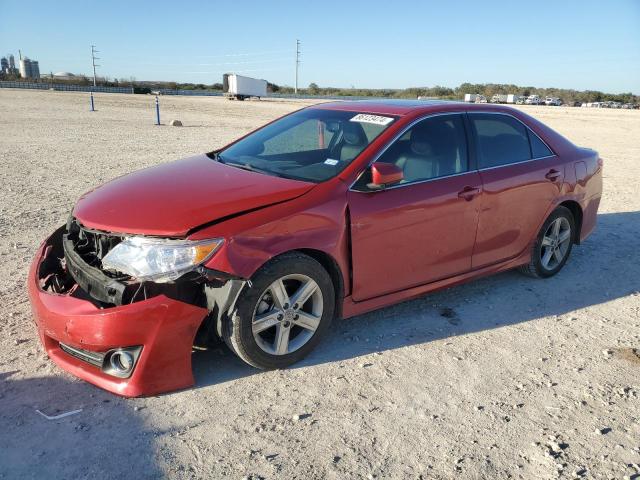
(505, 377)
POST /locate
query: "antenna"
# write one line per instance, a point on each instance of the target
(297, 65)
(93, 62)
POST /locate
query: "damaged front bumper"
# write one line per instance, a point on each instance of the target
(80, 328)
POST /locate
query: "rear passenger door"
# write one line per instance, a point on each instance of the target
(521, 176)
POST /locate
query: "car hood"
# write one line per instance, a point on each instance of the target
(175, 198)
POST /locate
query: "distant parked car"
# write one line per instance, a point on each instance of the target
(553, 101)
(576, 104)
(331, 211)
(533, 100)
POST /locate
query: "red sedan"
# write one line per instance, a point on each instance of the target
(330, 211)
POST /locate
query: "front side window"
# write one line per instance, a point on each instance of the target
(434, 147)
(312, 144)
(501, 139)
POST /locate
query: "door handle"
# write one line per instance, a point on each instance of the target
(468, 193)
(552, 175)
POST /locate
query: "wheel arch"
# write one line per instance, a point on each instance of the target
(212, 322)
(576, 210)
(333, 269)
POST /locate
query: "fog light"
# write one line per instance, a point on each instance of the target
(120, 362)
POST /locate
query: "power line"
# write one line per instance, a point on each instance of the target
(246, 70)
(252, 62)
(255, 54)
(93, 62)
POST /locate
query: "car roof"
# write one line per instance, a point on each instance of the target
(383, 106)
(403, 107)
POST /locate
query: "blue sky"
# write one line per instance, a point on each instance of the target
(369, 44)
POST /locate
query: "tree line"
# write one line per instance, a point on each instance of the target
(457, 93)
(447, 93)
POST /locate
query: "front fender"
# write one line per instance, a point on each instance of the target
(313, 222)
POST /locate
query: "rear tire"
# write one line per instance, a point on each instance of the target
(553, 244)
(268, 311)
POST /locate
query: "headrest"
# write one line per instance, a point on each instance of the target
(421, 146)
(419, 142)
(353, 134)
(431, 138)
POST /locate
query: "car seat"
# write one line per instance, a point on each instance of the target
(433, 152)
(353, 142)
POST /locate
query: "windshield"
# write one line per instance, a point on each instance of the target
(312, 144)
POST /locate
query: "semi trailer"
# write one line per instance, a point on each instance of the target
(237, 87)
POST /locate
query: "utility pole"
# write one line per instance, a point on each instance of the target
(93, 62)
(295, 89)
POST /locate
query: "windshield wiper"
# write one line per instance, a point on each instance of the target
(215, 156)
(249, 168)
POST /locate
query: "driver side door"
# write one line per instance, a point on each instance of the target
(422, 229)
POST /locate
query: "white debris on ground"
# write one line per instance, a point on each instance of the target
(505, 377)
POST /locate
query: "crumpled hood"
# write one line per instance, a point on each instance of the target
(173, 198)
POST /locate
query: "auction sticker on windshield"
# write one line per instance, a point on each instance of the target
(375, 119)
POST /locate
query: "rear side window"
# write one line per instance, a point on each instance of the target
(500, 139)
(538, 148)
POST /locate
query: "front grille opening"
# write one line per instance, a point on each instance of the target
(92, 245)
(93, 358)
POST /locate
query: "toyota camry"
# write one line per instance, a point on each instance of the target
(328, 212)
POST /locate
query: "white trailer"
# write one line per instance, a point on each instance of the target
(239, 87)
(512, 98)
(470, 97)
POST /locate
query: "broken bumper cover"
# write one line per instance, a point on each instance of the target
(165, 329)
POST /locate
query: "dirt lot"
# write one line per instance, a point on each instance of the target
(506, 377)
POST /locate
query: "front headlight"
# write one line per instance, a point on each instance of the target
(157, 259)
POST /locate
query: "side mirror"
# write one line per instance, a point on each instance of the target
(384, 174)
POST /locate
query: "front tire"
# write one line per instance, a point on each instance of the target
(283, 315)
(553, 244)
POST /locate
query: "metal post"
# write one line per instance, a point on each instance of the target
(295, 88)
(93, 62)
(92, 105)
(157, 111)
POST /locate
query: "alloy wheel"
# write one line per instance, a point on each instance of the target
(287, 315)
(555, 243)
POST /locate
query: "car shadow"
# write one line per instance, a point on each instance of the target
(604, 268)
(32, 446)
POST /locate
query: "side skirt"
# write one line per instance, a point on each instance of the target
(352, 308)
